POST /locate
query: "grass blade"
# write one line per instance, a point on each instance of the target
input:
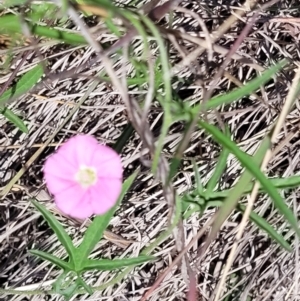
(10, 24)
(199, 186)
(245, 90)
(258, 220)
(66, 266)
(278, 183)
(265, 226)
(60, 232)
(12, 117)
(221, 165)
(108, 265)
(123, 138)
(217, 101)
(254, 169)
(24, 84)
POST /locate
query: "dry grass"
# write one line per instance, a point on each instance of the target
(261, 270)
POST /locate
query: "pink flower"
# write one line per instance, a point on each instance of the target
(84, 177)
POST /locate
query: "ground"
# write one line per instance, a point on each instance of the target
(261, 270)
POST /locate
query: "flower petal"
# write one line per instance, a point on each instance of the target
(83, 209)
(105, 194)
(60, 172)
(56, 184)
(58, 166)
(67, 200)
(85, 147)
(69, 153)
(107, 162)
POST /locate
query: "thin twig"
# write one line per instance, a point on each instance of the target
(207, 36)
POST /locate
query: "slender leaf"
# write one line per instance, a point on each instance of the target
(286, 183)
(60, 232)
(108, 265)
(159, 240)
(265, 226)
(221, 165)
(215, 102)
(12, 117)
(10, 24)
(66, 266)
(95, 231)
(175, 163)
(254, 169)
(24, 84)
(259, 221)
(235, 194)
(245, 90)
(199, 186)
(232, 199)
(176, 159)
(123, 138)
(279, 183)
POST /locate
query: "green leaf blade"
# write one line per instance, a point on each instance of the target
(24, 84)
(254, 169)
(221, 165)
(108, 265)
(265, 226)
(13, 118)
(60, 232)
(66, 266)
(247, 89)
(11, 24)
(279, 183)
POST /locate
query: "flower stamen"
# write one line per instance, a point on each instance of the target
(86, 176)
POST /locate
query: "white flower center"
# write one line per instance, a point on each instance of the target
(86, 176)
